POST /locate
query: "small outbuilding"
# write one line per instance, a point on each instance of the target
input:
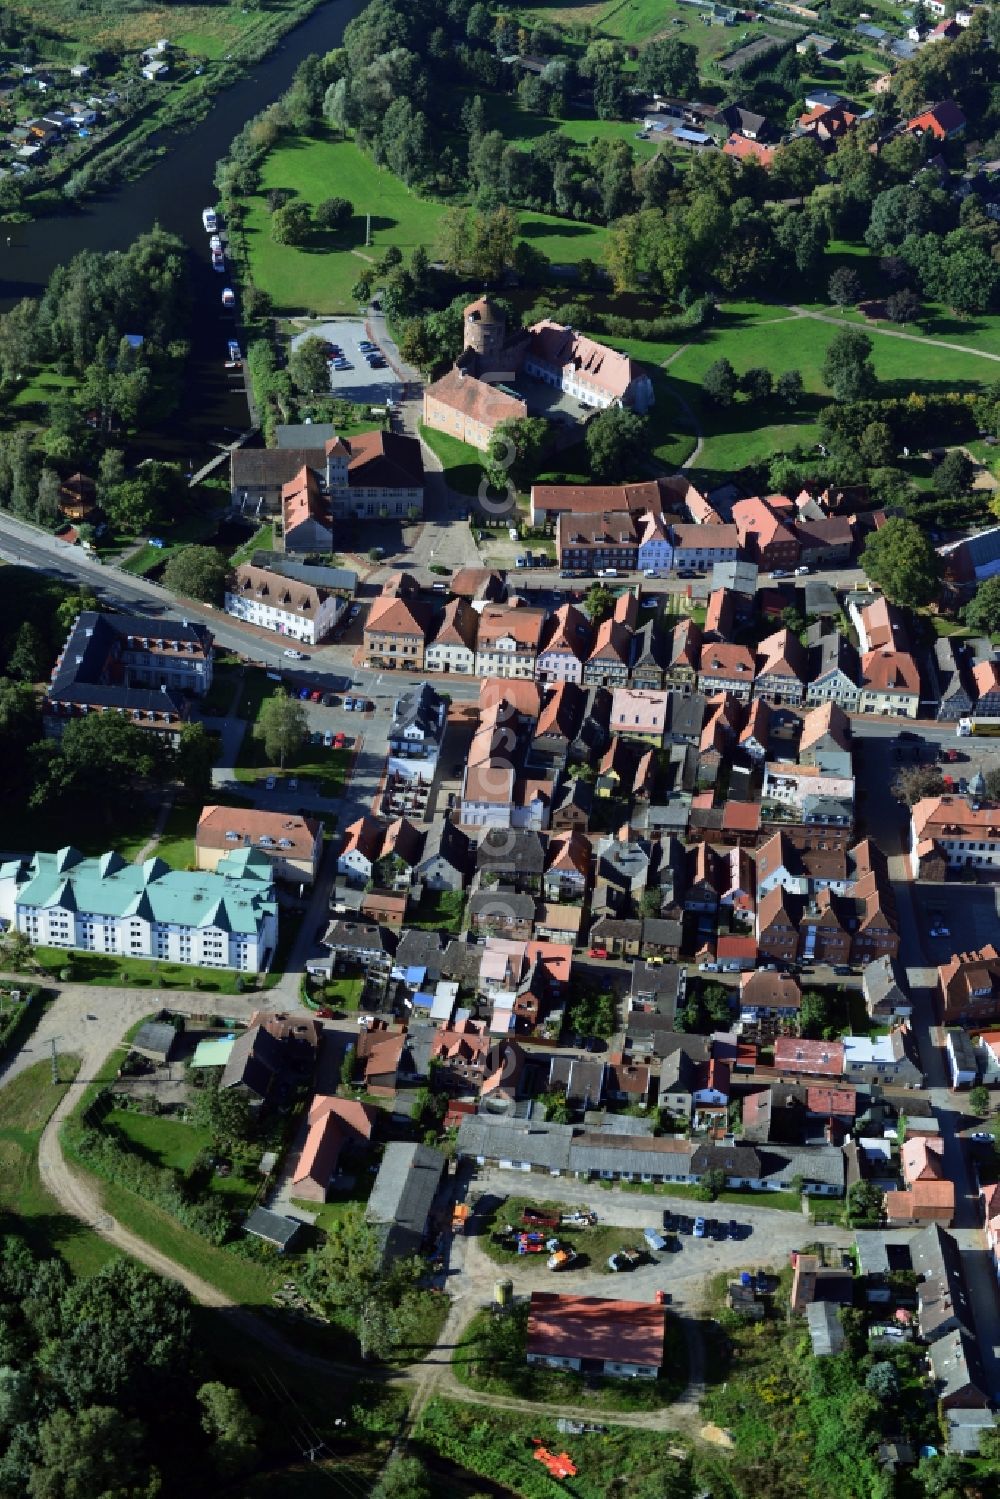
(273, 1228)
(156, 1041)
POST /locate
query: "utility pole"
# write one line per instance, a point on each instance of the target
(55, 1062)
(368, 229)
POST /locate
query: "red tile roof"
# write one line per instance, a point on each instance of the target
(591, 1327)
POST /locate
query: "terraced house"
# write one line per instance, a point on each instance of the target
(507, 643)
(227, 919)
(395, 633)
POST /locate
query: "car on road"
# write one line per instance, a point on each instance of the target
(270, 783)
(940, 930)
(295, 655)
(699, 1228)
(355, 611)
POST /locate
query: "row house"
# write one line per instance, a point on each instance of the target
(395, 633)
(885, 991)
(825, 740)
(588, 542)
(929, 1194)
(648, 657)
(949, 683)
(283, 605)
(452, 647)
(627, 770)
(952, 832)
(986, 686)
(879, 624)
(609, 661)
(824, 542)
(890, 683)
(557, 727)
(683, 656)
(827, 927)
(809, 795)
(549, 501)
(507, 643)
(655, 554)
(721, 615)
(884, 1059)
(969, 986)
(764, 536)
(567, 867)
(639, 714)
(781, 669)
(833, 670)
(564, 646)
(700, 547)
(727, 668)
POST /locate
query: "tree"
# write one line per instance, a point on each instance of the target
(876, 445)
(403, 1478)
(982, 611)
(941, 1477)
(865, 1203)
(711, 1184)
(224, 1112)
(291, 224)
(347, 1064)
(144, 1345)
(93, 1453)
(882, 1381)
(757, 383)
(197, 572)
(194, 757)
(377, 1333)
(979, 1099)
(789, 388)
(847, 368)
(598, 603)
(815, 1014)
(617, 442)
(232, 1428)
(901, 558)
(991, 781)
(719, 383)
(844, 287)
(952, 477)
(903, 306)
(557, 1110)
(334, 213)
(28, 656)
(281, 726)
(308, 366)
(914, 782)
(515, 452)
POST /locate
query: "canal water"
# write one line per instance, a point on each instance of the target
(173, 193)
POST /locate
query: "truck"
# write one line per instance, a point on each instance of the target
(460, 1217)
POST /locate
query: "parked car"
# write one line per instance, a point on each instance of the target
(348, 705)
(339, 741)
(328, 738)
(316, 696)
(270, 783)
(654, 1240)
(699, 1228)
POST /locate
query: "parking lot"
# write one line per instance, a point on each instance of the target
(967, 912)
(359, 383)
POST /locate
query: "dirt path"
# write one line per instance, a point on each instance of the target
(689, 412)
(150, 846)
(912, 338)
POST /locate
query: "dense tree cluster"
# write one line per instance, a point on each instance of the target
(96, 1378)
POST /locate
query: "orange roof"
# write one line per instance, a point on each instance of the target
(741, 148)
(292, 836)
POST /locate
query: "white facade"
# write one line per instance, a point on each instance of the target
(303, 628)
(452, 657)
(559, 666)
(505, 658)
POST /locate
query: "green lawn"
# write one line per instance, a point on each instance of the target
(751, 334)
(462, 463)
(319, 277)
(324, 768)
(25, 1206)
(176, 843)
(439, 911)
(169, 1142)
(111, 971)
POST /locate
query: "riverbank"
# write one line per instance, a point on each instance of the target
(209, 53)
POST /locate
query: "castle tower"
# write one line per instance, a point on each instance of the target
(485, 331)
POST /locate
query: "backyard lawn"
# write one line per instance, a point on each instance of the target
(25, 1106)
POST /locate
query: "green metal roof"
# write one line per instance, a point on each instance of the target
(213, 1053)
(233, 898)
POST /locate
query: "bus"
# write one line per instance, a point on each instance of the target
(978, 728)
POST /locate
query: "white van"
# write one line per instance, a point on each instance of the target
(607, 572)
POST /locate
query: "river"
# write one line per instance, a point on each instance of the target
(173, 193)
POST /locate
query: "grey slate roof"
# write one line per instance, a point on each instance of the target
(403, 1195)
(488, 902)
(956, 1369)
(965, 1430)
(883, 984)
(422, 707)
(942, 1297)
(157, 1037)
(826, 1331)
(873, 1256)
(255, 1062)
(335, 579)
(517, 849)
(545, 1145)
(274, 1228)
